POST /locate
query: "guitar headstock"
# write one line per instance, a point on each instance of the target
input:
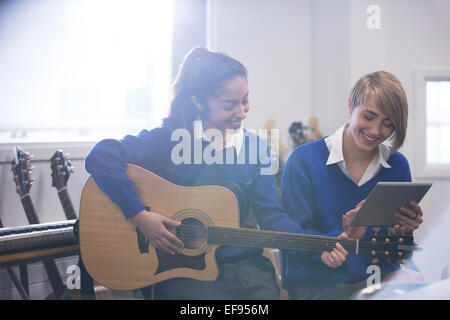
(22, 171)
(388, 249)
(61, 170)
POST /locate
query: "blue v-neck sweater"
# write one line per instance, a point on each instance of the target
(152, 150)
(316, 196)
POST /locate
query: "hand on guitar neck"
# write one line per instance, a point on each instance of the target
(153, 226)
(337, 257)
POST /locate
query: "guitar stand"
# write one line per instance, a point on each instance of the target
(20, 288)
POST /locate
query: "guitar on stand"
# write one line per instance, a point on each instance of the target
(61, 170)
(22, 176)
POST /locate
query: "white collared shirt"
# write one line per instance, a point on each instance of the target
(334, 145)
(231, 140)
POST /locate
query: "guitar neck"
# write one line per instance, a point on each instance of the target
(29, 209)
(50, 266)
(67, 204)
(279, 240)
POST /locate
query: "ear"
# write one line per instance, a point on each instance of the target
(349, 106)
(197, 104)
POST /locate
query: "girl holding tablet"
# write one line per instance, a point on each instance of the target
(326, 181)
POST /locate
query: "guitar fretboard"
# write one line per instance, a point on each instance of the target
(280, 240)
(29, 209)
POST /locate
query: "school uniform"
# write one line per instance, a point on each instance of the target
(316, 192)
(244, 273)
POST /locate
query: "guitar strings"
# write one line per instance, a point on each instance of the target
(251, 233)
(239, 236)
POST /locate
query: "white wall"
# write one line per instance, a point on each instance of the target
(272, 39)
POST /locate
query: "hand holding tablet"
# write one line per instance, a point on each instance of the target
(386, 199)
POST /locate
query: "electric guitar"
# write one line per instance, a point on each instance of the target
(117, 254)
(22, 176)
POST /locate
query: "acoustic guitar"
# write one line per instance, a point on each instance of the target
(22, 176)
(117, 255)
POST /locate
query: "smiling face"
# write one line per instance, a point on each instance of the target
(229, 107)
(369, 126)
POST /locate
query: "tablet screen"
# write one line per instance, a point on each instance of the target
(386, 199)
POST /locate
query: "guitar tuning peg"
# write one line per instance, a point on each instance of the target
(376, 230)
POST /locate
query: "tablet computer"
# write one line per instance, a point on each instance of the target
(386, 199)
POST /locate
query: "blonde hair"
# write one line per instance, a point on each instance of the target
(389, 97)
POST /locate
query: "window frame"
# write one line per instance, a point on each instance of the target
(421, 76)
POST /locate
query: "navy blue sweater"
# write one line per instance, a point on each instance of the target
(316, 196)
(152, 150)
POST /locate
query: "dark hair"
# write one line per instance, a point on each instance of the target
(201, 74)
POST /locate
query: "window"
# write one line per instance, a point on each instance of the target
(438, 122)
(92, 69)
(432, 123)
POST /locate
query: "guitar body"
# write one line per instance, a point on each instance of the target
(117, 255)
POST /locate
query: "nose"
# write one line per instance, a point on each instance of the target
(375, 130)
(241, 112)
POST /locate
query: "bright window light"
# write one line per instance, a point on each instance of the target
(83, 70)
(438, 122)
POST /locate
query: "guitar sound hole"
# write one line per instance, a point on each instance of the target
(192, 232)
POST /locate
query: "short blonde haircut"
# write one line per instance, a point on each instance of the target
(389, 97)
